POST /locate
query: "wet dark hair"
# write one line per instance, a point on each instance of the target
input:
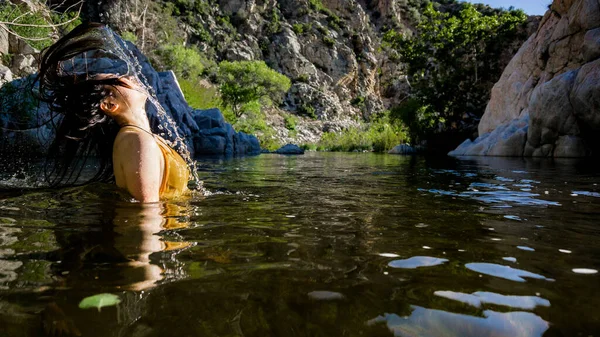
(81, 129)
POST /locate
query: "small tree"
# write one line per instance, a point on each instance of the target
(452, 64)
(242, 82)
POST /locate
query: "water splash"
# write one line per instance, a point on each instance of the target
(172, 136)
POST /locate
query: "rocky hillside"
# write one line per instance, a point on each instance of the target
(330, 49)
(547, 102)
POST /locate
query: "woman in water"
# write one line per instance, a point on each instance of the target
(100, 108)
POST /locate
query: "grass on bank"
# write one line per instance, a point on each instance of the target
(381, 135)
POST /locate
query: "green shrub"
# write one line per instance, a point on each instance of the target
(381, 135)
(290, 122)
(335, 22)
(243, 82)
(35, 26)
(298, 28)
(186, 62)
(275, 24)
(303, 78)
(199, 96)
(358, 101)
(328, 41)
(307, 110)
(129, 36)
(253, 122)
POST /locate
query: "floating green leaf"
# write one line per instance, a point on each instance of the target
(99, 301)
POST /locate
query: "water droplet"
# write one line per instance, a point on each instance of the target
(565, 251)
(585, 271)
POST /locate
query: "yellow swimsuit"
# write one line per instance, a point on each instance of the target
(176, 172)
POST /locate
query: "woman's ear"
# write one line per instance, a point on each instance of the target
(109, 105)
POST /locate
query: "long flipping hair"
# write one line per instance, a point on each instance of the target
(81, 129)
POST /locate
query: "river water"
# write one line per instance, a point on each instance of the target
(325, 244)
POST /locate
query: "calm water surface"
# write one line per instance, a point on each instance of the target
(317, 245)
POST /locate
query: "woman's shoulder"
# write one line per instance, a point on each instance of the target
(129, 137)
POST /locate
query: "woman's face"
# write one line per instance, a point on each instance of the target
(128, 95)
(131, 91)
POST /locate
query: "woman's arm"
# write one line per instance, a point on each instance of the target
(138, 164)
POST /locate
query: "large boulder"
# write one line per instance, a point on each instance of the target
(547, 102)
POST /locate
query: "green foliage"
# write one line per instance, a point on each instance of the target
(36, 27)
(186, 62)
(307, 110)
(243, 82)
(99, 301)
(381, 135)
(290, 122)
(303, 78)
(328, 41)
(358, 101)
(275, 24)
(129, 36)
(335, 22)
(6, 59)
(452, 63)
(199, 96)
(298, 28)
(254, 122)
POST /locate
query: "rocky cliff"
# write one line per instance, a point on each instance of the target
(329, 48)
(547, 102)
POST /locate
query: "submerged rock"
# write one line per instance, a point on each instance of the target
(290, 149)
(403, 149)
(546, 104)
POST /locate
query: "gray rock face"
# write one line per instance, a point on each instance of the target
(5, 75)
(3, 42)
(547, 102)
(290, 149)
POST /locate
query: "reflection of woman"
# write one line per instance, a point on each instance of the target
(86, 80)
(116, 259)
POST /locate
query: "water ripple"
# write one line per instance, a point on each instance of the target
(425, 322)
(416, 262)
(504, 272)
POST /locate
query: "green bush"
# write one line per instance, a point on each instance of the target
(307, 110)
(243, 82)
(298, 28)
(328, 41)
(186, 62)
(35, 26)
(275, 24)
(381, 135)
(199, 96)
(303, 78)
(129, 36)
(290, 122)
(253, 122)
(358, 101)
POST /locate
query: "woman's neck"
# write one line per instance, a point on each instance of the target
(138, 119)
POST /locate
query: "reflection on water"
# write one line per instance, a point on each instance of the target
(478, 298)
(315, 245)
(424, 322)
(416, 262)
(504, 272)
